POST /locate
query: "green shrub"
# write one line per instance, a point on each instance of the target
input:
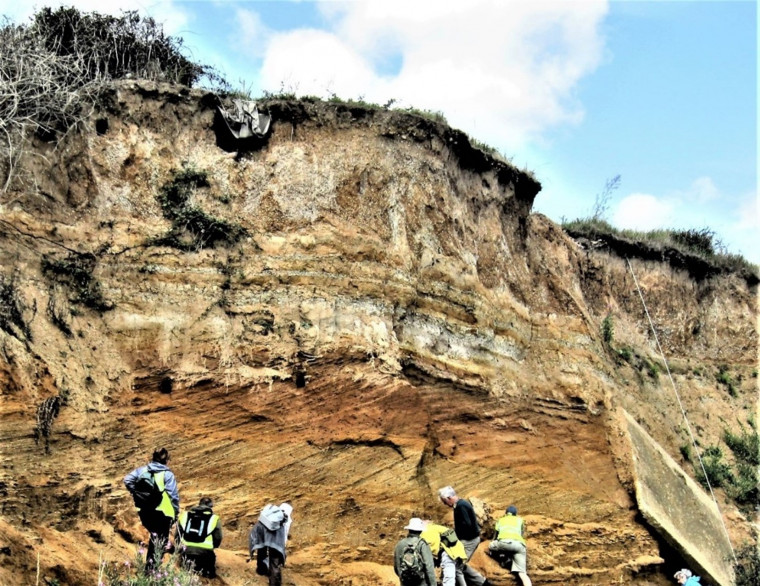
(724, 378)
(745, 446)
(703, 242)
(686, 452)
(625, 353)
(717, 471)
(744, 489)
(192, 228)
(608, 329)
(653, 368)
(747, 565)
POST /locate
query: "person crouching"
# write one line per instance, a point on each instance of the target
(199, 532)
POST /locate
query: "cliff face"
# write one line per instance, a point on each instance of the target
(349, 315)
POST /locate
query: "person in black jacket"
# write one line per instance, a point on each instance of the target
(199, 532)
(467, 528)
(157, 520)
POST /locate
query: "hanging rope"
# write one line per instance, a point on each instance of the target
(683, 412)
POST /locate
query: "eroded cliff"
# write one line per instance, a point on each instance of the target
(349, 315)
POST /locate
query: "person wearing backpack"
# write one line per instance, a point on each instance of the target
(448, 553)
(268, 538)
(154, 490)
(412, 559)
(199, 532)
(509, 542)
(468, 532)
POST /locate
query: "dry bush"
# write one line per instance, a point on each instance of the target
(52, 71)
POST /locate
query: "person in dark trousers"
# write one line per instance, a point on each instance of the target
(199, 532)
(157, 520)
(415, 529)
(268, 538)
(468, 532)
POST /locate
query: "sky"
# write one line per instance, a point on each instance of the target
(661, 93)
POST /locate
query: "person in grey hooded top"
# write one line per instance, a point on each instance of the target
(159, 520)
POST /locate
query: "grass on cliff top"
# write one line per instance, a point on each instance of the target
(432, 115)
(703, 243)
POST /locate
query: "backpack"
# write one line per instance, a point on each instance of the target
(272, 517)
(411, 567)
(146, 493)
(449, 538)
(197, 526)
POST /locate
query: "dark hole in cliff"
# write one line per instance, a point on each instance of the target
(166, 384)
(300, 379)
(95, 536)
(101, 126)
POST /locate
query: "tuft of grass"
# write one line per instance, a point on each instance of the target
(702, 243)
(724, 378)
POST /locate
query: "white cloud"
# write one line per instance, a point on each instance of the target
(749, 214)
(642, 211)
(502, 71)
(313, 62)
(702, 190)
(256, 36)
(733, 219)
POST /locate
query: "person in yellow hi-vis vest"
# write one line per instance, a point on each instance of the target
(509, 542)
(199, 532)
(154, 490)
(448, 552)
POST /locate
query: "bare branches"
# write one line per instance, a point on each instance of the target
(52, 71)
(40, 94)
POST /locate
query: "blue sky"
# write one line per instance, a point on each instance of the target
(662, 93)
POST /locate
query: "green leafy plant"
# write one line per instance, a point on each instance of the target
(626, 353)
(747, 565)
(745, 446)
(132, 573)
(608, 329)
(192, 228)
(685, 450)
(716, 471)
(652, 368)
(724, 378)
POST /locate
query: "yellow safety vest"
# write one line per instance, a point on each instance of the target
(432, 535)
(510, 527)
(165, 506)
(208, 542)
